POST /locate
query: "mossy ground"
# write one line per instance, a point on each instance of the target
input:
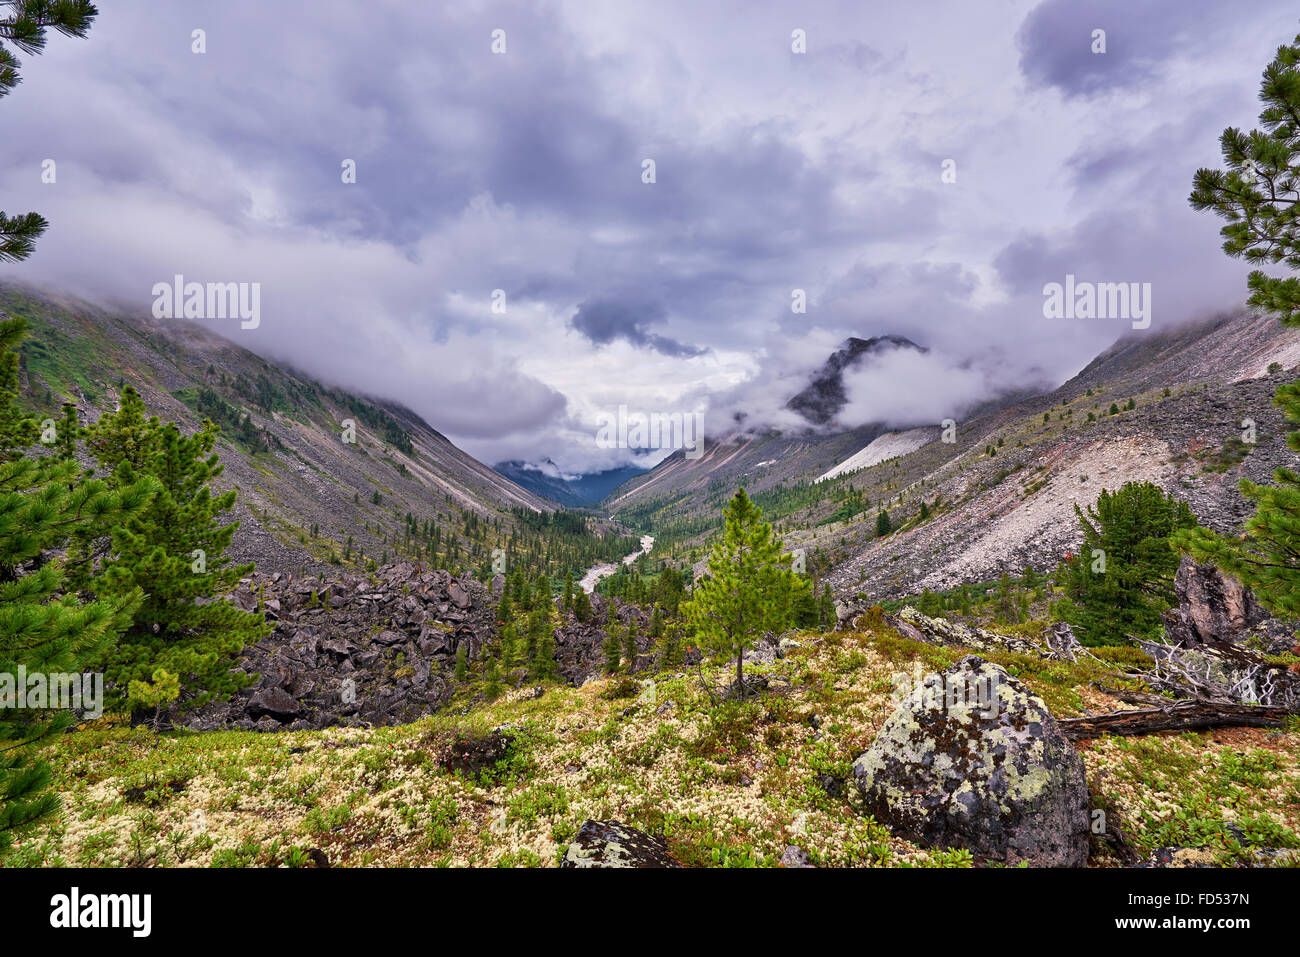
(726, 784)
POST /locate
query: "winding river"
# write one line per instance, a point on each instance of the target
(596, 572)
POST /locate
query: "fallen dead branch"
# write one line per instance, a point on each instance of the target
(1179, 716)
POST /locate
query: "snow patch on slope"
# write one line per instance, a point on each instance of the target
(883, 447)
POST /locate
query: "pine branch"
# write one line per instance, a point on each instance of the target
(18, 234)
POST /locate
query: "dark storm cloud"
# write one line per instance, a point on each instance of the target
(435, 118)
(522, 173)
(605, 321)
(1056, 40)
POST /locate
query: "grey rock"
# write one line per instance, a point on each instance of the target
(1212, 607)
(359, 636)
(972, 759)
(795, 857)
(833, 786)
(275, 703)
(459, 597)
(611, 844)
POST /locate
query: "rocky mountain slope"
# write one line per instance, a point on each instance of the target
(304, 493)
(1189, 408)
(1005, 500)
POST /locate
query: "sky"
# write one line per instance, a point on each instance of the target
(501, 265)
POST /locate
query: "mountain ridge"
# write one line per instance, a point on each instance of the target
(1166, 407)
(304, 493)
(580, 491)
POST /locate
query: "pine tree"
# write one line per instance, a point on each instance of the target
(656, 626)
(1008, 607)
(883, 525)
(568, 592)
(827, 618)
(492, 678)
(929, 603)
(750, 588)
(519, 590)
(669, 590)
(25, 25)
(541, 642)
(964, 600)
(613, 646)
(582, 606)
(1256, 195)
(509, 645)
(174, 551)
(670, 645)
(44, 627)
(630, 650)
(1122, 579)
(462, 661)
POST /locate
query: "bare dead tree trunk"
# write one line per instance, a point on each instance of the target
(1179, 716)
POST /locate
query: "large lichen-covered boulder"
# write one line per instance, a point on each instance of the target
(971, 759)
(611, 844)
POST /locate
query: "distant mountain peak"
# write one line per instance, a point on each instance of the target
(545, 478)
(824, 396)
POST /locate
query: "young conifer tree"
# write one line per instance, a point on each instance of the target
(541, 641)
(630, 649)
(173, 551)
(613, 648)
(582, 606)
(1121, 581)
(750, 588)
(45, 627)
